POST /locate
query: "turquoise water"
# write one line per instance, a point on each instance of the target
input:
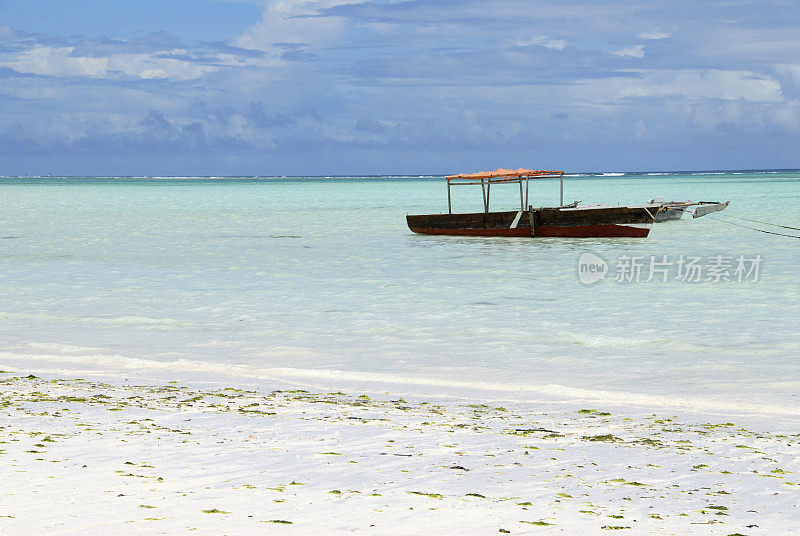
(322, 276)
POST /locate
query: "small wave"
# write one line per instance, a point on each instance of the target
(612, 174)
(63, 348)
(117, 365)
(596, 341)
(156, 323)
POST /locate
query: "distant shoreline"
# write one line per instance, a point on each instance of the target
(411, 176)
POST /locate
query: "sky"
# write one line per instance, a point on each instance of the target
(338, 87)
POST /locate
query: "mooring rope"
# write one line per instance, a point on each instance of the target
(763, 222)
(755, 229)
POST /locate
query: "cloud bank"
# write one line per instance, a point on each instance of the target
(347, 86)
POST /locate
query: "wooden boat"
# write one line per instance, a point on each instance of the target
(572, 220)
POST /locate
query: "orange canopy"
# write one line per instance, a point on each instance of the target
(500, 172)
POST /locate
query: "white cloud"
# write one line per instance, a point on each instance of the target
(654, 35)
(153, 73)
(59, 61)
(544, 41)
(636, 51)
(6, 34)
(295, 21)
(55, 61)
(686, 84)
(147, 66)
(790, 78)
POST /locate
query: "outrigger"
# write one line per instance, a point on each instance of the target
(673, 210)
(574, 221)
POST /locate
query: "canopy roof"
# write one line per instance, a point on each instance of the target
(500, 172)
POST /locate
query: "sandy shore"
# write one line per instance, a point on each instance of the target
(87, 457)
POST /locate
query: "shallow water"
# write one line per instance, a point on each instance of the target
(322, 276)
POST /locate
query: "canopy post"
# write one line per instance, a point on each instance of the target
(488, 191)
(449, 204)
(483, 189)
(521, 199)
(527, 183)
(562, 189)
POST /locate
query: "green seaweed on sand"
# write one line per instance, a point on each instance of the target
(613, 527)
(281, 521)
(609, 438)
(214, 511)
(431, 495)
(538, 523)
(625, 482)
(476, 495)
(650, 442)
(721, 425)
(335, 492)
(597, 412)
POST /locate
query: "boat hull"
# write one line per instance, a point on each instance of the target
(633, 222)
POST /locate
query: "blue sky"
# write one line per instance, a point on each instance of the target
(274, 87)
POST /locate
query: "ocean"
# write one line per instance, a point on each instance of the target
(319, 279)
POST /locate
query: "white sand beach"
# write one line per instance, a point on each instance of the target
(84, 456)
